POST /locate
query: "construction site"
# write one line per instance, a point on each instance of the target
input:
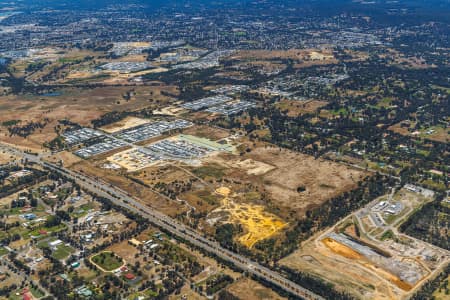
(389, 210)
(371, 258)
(186, 148)
(258, 224)
(132, 159)
(150, 130)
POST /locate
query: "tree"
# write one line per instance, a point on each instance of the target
(52, 221)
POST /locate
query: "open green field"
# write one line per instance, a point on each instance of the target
(22, 231)
(208, 197)
(3, 251)
(211, 170)
(44, 243)
(58, 228)
(82, 210)
(108, 261)
(38, 211)
(385, 102)
(62, 252)
(147, 293)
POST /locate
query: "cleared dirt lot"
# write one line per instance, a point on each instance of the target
(255, 167)
(67, 158)
(131, 160)
(319, 260)
(248, 289)
(126, 123)
(212, 133)
(321, 179)
(6, 158)
(125, 251)
(293, 181)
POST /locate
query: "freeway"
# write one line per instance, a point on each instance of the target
(124, 200)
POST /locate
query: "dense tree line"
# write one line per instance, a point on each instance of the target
(215, 284)
(323, 216)
(6, 290)
(431, 223)
(27, 129)
(115, 116)
(22, 182)
(427, 290)
(315, 284)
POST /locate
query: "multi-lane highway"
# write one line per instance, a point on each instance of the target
(121, 198)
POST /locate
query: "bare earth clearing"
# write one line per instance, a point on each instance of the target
(329, 179)
(6, 158)
(126, 123)
(250, 290)
(319, 259)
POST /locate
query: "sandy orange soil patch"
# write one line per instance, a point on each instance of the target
(341, 249)
(257, 222)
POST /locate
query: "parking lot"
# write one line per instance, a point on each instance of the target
(126, 66)
(133, 159)
(231, 89)
(150, 130)
(231, 108)
(80, 136)
(187, 147)
(206, 102)
(106, 145)
(179, 149)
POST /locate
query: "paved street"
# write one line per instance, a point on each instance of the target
(121, 198)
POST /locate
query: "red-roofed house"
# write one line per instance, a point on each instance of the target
(26, 295)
